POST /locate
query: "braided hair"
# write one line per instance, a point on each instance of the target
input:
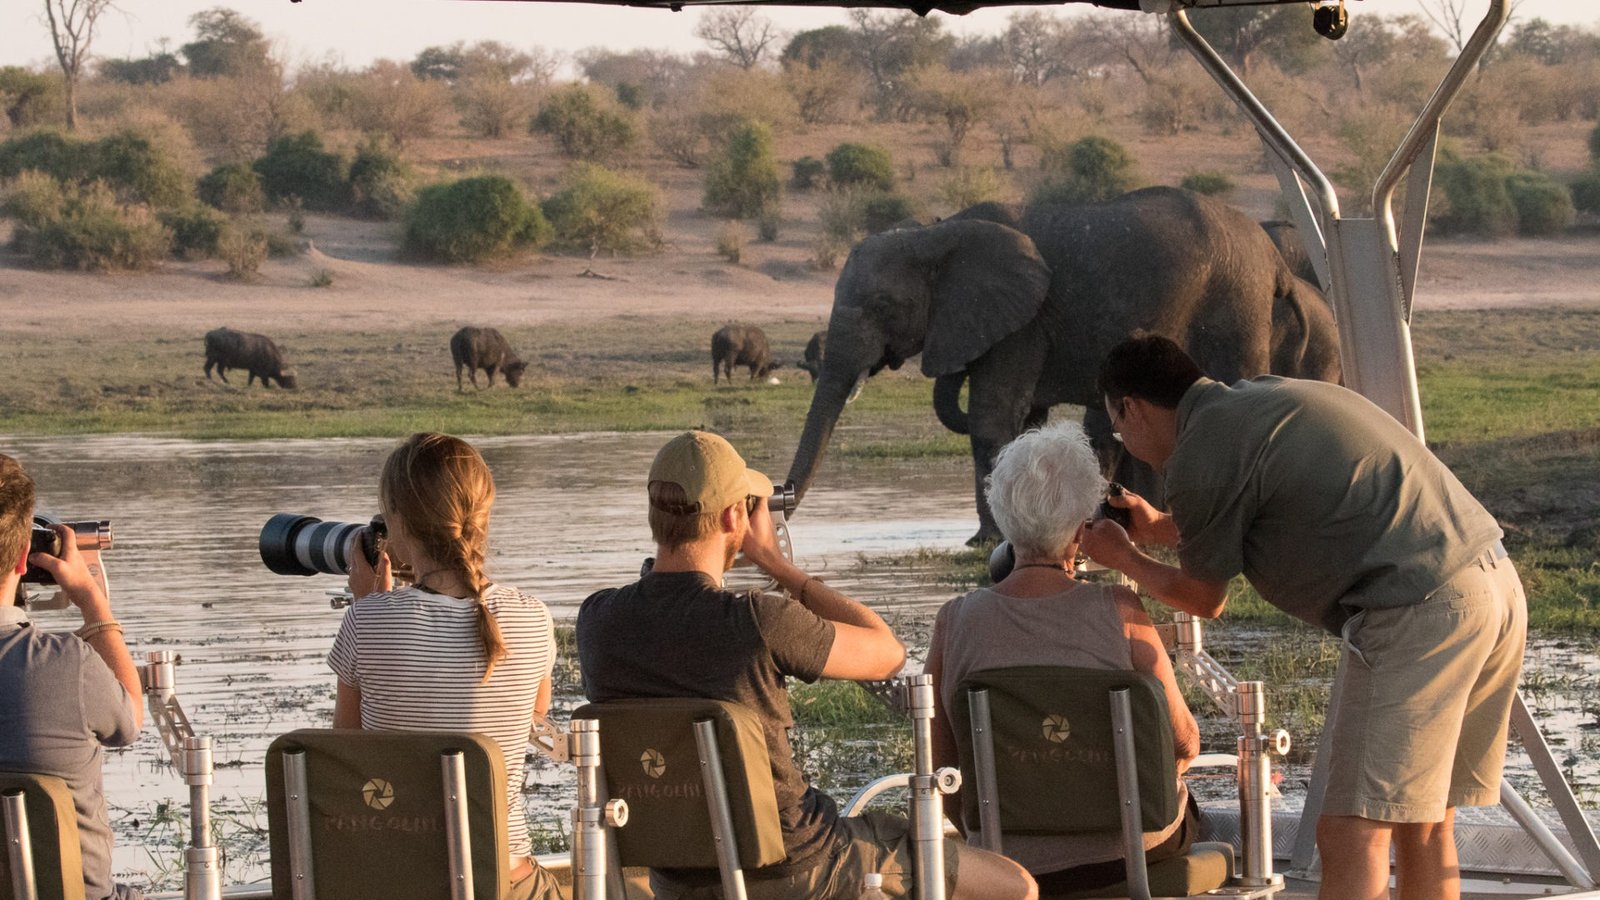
(440, 487)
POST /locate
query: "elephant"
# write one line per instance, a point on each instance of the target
(1286, 237)
(1024, 315)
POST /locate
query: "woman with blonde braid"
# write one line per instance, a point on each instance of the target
(454, 651)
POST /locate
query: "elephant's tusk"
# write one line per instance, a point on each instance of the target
(855, 391)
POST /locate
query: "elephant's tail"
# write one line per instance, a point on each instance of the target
(947, 402)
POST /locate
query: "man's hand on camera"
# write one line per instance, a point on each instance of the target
(1106, 543)
(365, 579)
(761, 542)
(1149, 525)
(72, 575)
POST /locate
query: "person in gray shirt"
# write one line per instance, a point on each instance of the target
(1339, 516)
(63, 697)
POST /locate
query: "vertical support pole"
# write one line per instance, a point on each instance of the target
(1128, 796)
(202, 875)
(298, 812)
(453, 767)
(927, 830)
(19, 846)
(1555, 784)
(588, 834)
(1255, 780)
(716, 782)
(1546, 839)
(983, 770)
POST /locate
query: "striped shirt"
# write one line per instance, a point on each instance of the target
(418, 660)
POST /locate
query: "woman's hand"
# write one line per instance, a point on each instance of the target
(366, 579)
(1106, 543)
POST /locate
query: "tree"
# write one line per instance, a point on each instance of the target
(820, 46)
(1245, 34)
(1034, 47)
(226, 43)
(738, 34)
(887, 45)
(157, 68)
(958, 100)
(27, 98)
(72, 24)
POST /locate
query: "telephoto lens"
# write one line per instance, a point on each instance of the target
(306, 545)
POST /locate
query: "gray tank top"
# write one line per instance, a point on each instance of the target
(1077, 627)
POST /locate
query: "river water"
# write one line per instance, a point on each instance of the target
(569, 519)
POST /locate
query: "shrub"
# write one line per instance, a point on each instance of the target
(1543, 206)
(29, 98)
(1088, 170)
(585, 124)
(841, 214)
(598, 209)
(140, 171)
(806, 171)
(730, 241)
(968, 186)
(472, 219)
(195, 229)
(233, 188)
(244, 249)
(389, 100)
(743, 179)
(1212, 184)
(50, 152)
(1476, 200)
(68, 226)
(322, 278)
(297, 166)
(1586, 193)
(380, 183)
(825, 256)
(1594, 146)
(492, 106)
(881, 211)
(865, 165)
(680, 136)
(768, 222)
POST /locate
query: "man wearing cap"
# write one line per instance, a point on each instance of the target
(1340, 517)
(677, 633)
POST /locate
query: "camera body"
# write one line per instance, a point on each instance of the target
(293, 544)
(92, 537)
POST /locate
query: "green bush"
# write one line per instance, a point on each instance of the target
(1543, 206)
(1212, 184)
(1475, 197)
(743, 179)
(133, 166)
(69, 226)
(380, 182)
(473, 219)
(863, 165)
(846, 215)
(233, 188)
(244, 249)
(195, 230)
(598, 209)
(585, 124)
(807, 171)
(881, 211)
(50, 152)
(1089, 170)
(29, 98)
(296, 165)
(968, 187)
(768, 223)
(1594, 146)
(1586, 193)
(730, 241)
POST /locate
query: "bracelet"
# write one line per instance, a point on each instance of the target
(89, 631)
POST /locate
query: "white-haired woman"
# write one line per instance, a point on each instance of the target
(1044, 486)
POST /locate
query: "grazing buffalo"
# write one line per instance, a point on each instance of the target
(741, 345)
(476, 348)
(255, 353)
(815, 348)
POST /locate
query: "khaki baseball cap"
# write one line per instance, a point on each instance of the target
(712, 474)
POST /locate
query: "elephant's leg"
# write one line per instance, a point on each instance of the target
(1036, 418)
(1000, 393)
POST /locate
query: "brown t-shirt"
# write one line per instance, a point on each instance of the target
(1325, 502)
(678, 634)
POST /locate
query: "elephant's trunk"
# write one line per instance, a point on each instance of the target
(826, 403)
(947, 402)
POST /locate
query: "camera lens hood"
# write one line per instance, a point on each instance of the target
(277, 543)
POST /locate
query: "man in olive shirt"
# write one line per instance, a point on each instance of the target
(1339, 516)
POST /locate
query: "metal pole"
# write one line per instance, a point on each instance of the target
(1555, 784)
(202, 875)
(1128, 796)
(705, 740)
(1571, 869)
(1255, 780)
(983, 771)
(19, 846)
(927, 832)
(588, 835)
(453, 766)
(297, 804)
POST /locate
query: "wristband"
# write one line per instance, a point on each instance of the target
(89, 631)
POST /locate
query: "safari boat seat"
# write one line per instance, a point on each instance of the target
(39, 816)
(402, 815)
(1065, 750)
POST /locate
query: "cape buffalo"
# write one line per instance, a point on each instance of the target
(484, 348)
(741, 345)
(256, 353)
(815, 348)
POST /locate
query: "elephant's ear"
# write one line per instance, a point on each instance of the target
(988, 282)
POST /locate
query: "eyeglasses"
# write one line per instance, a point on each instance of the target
(1115, 414)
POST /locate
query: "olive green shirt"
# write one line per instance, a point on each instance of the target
(1320, 498)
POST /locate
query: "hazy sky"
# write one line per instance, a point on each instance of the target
(358, 31)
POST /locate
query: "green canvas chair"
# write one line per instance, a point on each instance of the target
(402, 815)
(40, 808)
(697, 781)
(1061, 750)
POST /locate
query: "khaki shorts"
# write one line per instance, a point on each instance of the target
(872, 842)
(1421, 720)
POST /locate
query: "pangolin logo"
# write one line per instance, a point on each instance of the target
(377, 793)
(1057, 729)
(655, 765)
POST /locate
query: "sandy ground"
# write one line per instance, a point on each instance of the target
(374, 291)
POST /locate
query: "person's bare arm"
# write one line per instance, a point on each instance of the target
(347, 706)
(1150, 657)
(71, 574)
(1147, 525)
(1106, 543)
(541, 703)
(864, 647)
